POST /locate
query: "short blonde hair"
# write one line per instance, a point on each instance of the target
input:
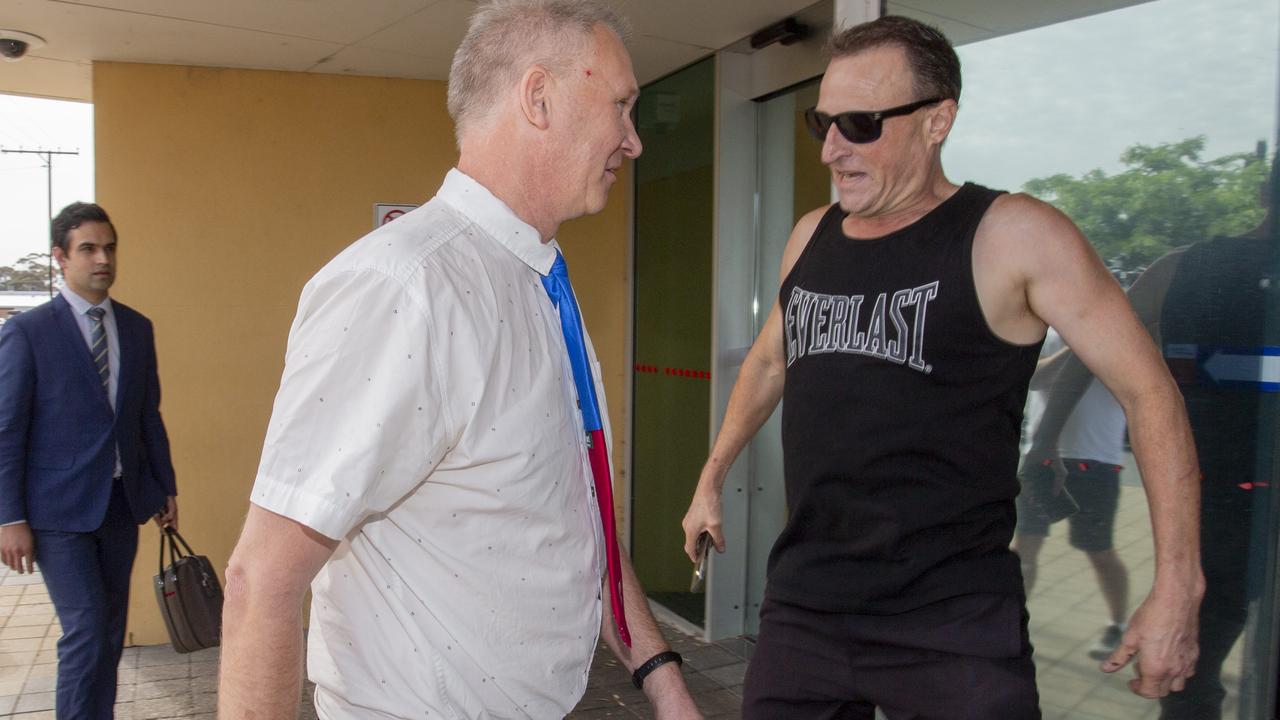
(506, 37)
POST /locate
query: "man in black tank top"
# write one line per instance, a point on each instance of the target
(906, 330)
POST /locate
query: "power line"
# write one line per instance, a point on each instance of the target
(47, 156)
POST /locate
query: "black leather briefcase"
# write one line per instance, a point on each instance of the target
(189, 595)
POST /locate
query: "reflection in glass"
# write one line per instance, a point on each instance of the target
(1152, 127)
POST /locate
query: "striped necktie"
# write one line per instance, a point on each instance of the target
(98, 345)
(561, 294)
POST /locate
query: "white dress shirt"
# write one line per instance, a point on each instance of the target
(427, 416)
(80, 309)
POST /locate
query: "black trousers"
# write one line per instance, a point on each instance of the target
(965, 658)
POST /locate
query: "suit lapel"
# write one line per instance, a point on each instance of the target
(79, 354)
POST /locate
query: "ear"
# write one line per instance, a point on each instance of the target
(535, 96)
(60, 256)
(942, 118)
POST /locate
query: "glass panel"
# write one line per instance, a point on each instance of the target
(792, 181)
(1150, 126)
(672, 372)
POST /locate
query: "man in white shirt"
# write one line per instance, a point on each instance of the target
(425, 470)
(1090, 441)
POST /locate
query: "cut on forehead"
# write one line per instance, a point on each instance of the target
(506, 37)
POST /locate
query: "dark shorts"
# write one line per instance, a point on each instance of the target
(965, 658)
(1095, 487)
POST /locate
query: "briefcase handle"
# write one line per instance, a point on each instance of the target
(167, 539)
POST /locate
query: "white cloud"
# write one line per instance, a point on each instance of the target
(33, 123)
(1071, 97)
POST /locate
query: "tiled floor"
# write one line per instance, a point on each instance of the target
(156, 682)
(1066, 609)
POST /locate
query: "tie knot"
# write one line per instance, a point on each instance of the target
(559, 269)
(96, 313)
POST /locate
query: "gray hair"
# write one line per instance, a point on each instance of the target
(506, 37)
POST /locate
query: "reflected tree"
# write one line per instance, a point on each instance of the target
(1167, 197)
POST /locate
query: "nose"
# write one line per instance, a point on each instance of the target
(834, 145)
(631, 146)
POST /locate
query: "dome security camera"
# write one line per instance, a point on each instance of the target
(14, 44)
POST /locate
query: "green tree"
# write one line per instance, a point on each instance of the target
(30, 273)
(1167, 197)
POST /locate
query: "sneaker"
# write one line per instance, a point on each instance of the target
(1107, 643)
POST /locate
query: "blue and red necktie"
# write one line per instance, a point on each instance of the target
(561, 294)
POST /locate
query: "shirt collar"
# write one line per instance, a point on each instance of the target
(80, 305)
(494, 217)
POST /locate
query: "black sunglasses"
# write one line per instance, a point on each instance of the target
(859, 126)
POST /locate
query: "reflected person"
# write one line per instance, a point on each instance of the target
(1203, 303)
(1091, 444)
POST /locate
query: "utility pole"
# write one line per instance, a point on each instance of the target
(47, 156)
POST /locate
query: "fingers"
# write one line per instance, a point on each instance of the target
(1150, 683)
(20, 560)
(1119, 657)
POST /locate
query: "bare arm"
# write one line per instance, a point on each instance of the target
(755, 395)
(1067, 286)
(665, 686)
(267, 579)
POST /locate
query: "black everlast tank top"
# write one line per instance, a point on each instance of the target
(900, 421)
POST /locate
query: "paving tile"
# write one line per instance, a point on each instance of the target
(19, 632)
(599, 713)
(123, 710)
(11, 687)
(205, 703)
(204, 684)
(20, 645)
(40, 715)
(710, 656)
(154, 655)
(47, 683)
(29, 619)
(161, 689)
(17, 658)
(31, 702)
(150, 673)
(719, 702)
(166, 707)
(199, 669)
(6, 703)
(34, 609)
(728, 675)
(124, 693)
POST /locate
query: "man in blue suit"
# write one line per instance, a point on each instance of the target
(84, 457)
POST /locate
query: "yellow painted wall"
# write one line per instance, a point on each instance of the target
(230, 188)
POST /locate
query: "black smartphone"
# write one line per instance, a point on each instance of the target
(701, 548)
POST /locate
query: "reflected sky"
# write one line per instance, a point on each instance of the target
(1071, 97)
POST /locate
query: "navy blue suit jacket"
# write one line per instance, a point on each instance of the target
(58, 434)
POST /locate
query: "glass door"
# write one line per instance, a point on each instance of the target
(1153, 127)
(791, 181)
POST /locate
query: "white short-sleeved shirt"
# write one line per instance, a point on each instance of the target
(1095, 428)
(427, 416)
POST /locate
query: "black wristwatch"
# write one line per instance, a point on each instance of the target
(653, 663)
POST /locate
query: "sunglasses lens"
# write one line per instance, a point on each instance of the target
(858, 127)
(818, 123)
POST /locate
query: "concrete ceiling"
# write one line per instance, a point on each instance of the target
(407, 38)
(387, 38)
